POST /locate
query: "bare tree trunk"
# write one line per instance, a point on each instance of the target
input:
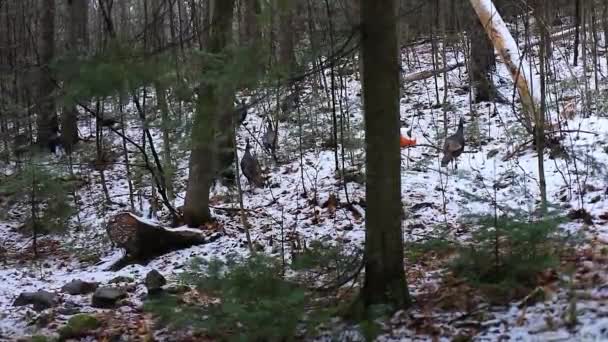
(605, 25)
(287, 59)
(158, 40)
(77, 44)
(525, 81)
(204, 143)
(577, 32)
(540, 117)
(252, 35)
(482, 62)
(384, 271)
(47, 115)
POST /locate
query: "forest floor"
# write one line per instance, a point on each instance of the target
(436, 201)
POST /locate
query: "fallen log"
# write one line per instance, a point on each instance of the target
(143, 240)
(420, 75)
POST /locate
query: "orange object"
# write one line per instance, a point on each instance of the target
(406, 142)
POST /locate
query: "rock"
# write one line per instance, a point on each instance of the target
(121, 279)
(106, 297)
(154, 281)
(40, 299)
(77, 286)
(78, 326)
(69, 309)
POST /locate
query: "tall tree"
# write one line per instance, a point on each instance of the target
(47, 114)
(158, 23)
(287, 58)
(211, 96)
(252, 38)
(384, 270)
(577, 30)
(539, 124)
(77, 44)
(251, 25)
(481, 61)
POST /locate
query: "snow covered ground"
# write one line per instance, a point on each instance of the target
(282, 208)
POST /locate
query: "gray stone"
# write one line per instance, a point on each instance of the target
(106, 297)
(40, 299)
(77, 286)
(69, 309)
(121, 279)
(154, 281)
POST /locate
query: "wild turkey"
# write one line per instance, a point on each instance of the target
(290, 102)
(55, 142)
(251, 168)
(268, 139)
(242, 111)
(21, 145)
(453, 146)
(109, 122)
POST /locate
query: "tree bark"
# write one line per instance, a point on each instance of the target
(77, 44)
(143, 241)
(158, 40)
(577, 31)
(47, 114)
(527, 85)
(384, 271)
(287, 59)
(482, 61)
(252, 41)
(204, 154)
(540, 117)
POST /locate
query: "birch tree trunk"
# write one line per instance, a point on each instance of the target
(531, 91)
(528, 87)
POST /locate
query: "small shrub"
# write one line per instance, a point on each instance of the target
(414, 251)
(254, 302)
(506, 255)
(40, 338)
(46, 195)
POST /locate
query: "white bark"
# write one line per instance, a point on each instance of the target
(527, 85)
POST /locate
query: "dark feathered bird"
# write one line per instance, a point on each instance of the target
(251, 168)
(109, 122)
(290, 102)
(242, 111)
(21, 144)
(454, 145)
(269, 137)
(55, 142)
